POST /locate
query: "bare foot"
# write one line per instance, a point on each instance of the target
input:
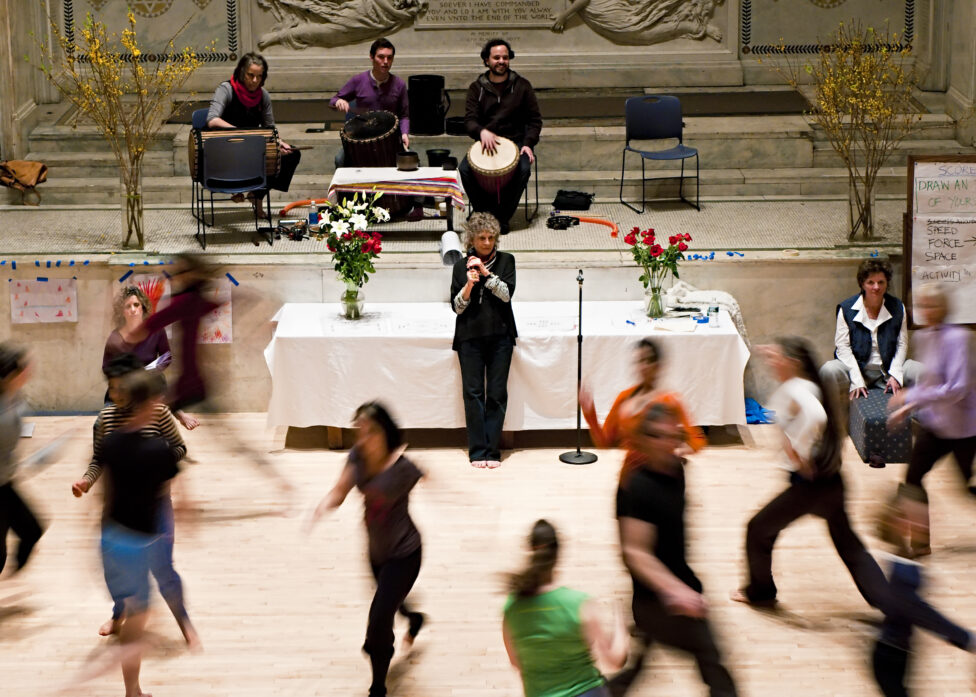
(189, 422)
(193, 642)
(739, 596)
(110, 627)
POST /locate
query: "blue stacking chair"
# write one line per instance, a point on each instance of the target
(234, 164)
(657, 117)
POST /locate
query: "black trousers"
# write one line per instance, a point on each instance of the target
(394, 579)
(686, 633)
(289, 163)
(503, 204)
(825, 499)
(930, 448)
(485, 363)
(16, 515)
(890, 665)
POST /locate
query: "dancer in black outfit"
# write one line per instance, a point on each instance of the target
(906, 609)
(668, 603)
(15, 514)
(812, 450)
(379, 469)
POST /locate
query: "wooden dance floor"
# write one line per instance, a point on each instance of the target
(283, 614)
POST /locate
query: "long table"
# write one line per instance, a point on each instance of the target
(324, 366)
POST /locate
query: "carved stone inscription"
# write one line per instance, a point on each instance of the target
(459, 14)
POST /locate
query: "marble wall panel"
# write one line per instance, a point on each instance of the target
(800, 25)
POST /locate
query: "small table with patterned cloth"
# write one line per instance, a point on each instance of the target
(423, 181)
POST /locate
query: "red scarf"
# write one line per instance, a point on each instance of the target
(248, 99)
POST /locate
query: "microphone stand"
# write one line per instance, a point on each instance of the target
(579, 457)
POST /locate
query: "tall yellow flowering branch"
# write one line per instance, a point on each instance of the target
(863, 84)
(128, 97)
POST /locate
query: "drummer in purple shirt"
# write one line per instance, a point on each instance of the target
(376, 90)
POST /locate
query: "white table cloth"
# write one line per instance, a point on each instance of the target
(324, 366)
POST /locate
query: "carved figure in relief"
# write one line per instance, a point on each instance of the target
(643, 22)
(330, 23)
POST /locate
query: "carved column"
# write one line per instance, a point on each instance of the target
(933, 44)
(24, 86)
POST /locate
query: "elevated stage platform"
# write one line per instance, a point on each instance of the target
(772, 190)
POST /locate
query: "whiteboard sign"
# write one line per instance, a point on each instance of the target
(940, 240)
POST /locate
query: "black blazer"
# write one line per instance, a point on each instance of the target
(486, 315)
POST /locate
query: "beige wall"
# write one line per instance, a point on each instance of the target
(68, 356)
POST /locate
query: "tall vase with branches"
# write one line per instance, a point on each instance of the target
(862, 79)
(127, 94)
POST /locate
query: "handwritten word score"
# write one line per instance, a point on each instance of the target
(942, 244)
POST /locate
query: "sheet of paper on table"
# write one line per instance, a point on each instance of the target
(683, 325)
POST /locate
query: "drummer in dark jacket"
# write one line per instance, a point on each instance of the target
(501, 103)
(482, 286)
(242, 102)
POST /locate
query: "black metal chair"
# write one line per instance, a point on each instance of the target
(657, 117)
(234, 164)
(199, 123)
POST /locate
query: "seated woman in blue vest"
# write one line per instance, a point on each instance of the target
(871, 339)
(242, 102)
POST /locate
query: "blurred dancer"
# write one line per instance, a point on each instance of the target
(628, 410)
(811, 450)
(668, 603)
(162, 425)
(132, 307)
(944, 399)
(187, 307)
(189, 280)
(139, 464)
(15, 514)
(553, 634)
(906, 513)
(379, 469)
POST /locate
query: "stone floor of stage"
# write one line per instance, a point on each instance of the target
(812, 225)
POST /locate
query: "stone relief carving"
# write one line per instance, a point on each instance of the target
(331, 23)
(644, 22)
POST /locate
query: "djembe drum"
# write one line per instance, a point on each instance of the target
(371, 139)
(493, 172)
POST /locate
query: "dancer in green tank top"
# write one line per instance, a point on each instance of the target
(553, 634)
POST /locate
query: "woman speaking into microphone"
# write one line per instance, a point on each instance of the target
(482, 286)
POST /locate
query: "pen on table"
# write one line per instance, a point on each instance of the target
(633, 323)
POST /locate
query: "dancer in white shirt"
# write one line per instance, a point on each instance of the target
(812, 452)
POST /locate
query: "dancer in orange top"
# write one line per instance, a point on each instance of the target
(629, 408)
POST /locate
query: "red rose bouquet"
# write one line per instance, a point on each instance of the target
(657, 261)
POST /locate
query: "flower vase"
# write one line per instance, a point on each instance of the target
(352, 301)
(655, 302)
